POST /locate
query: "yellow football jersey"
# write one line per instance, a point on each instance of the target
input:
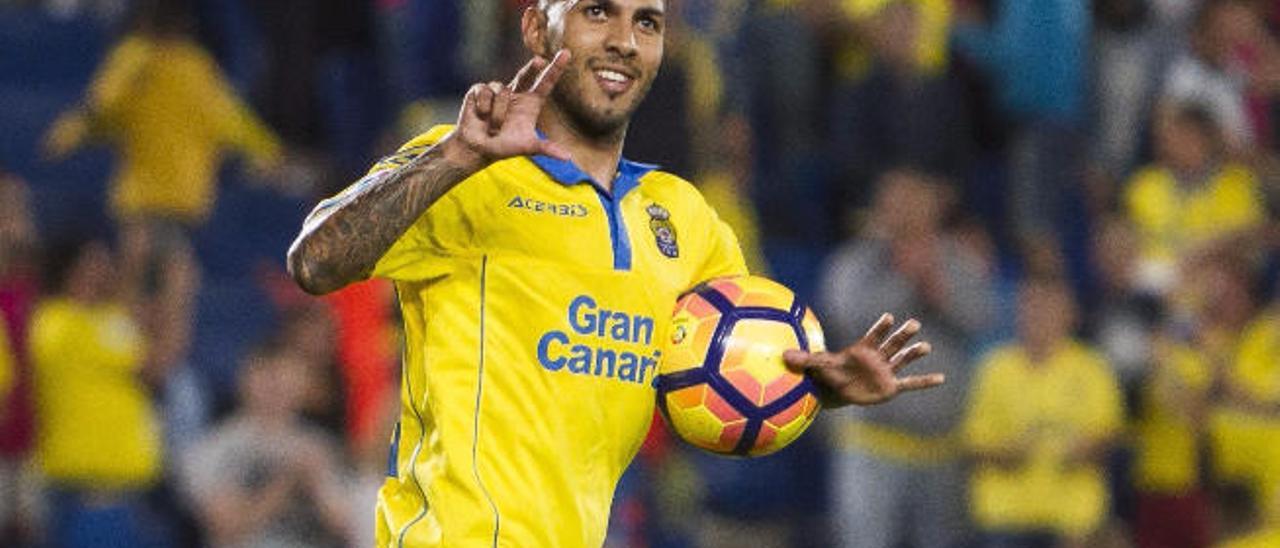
(534, 302)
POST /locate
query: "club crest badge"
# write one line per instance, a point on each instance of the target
(664, 233)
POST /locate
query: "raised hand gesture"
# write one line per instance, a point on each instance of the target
(867, 372)
(500, 121)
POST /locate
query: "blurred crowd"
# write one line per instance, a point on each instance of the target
(1077, 199)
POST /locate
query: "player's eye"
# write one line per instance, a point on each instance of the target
(595, 12)
(650, 24)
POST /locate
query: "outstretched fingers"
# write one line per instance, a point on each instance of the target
(801, 361)
(899, 338)
(827, 368)
(920, 382)
(551, 74)
(528, 75)
(878, 331)
(909, 354)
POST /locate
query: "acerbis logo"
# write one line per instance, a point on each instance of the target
(539, 206)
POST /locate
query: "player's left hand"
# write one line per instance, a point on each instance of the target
(867, 372)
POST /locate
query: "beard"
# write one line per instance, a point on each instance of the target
(594, 121)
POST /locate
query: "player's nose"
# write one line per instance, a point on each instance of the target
(621, 39)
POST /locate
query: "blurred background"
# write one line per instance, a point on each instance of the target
(1075, 197)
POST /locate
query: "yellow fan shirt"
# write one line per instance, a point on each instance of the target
(1073, 395)
(534, 303)
(1172, 220)
(1167, 439)
(171, 114)
(1246, 443)
(95, 424)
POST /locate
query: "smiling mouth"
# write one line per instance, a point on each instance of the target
(613, 82)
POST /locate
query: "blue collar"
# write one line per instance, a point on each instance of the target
(568, 173)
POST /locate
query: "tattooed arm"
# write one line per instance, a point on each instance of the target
(343, 238)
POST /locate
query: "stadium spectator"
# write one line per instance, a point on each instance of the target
(903, 112)
(1134, 43)
(161, 101)
(1173, 506)
(1192, 202)
(927, 44)
(1122, 319)
(1036, 56)
(1246, 427)
(18, 293)
(897, 469)
(1181, 389)
(1210, 73)
(100, 349)
(1043, 412)
(263, 477)
(309, 330)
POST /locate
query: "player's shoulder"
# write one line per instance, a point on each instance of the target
(429, 137)
(659, 180)
(412, 148)
(669, 187)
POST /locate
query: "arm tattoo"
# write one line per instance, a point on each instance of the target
(343, 238)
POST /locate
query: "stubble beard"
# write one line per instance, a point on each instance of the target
(593, 123)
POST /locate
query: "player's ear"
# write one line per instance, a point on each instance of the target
(533, 27)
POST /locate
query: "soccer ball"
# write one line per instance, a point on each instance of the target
(722, 384)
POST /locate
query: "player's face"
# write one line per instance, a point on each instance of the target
(617, 50)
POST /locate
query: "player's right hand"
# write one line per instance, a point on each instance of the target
(500, 121)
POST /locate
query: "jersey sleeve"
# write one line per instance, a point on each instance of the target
(722, 256)
(415, 254)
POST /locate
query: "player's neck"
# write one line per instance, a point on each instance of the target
(597, 156)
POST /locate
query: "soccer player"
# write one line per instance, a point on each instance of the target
(536, 269)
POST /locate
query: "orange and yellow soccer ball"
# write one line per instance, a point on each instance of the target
(722, 384)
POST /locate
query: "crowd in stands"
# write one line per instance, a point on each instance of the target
(1076, 198)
